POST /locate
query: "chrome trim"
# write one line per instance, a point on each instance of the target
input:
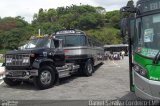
(17, 59)
(93, 52)
(67, 70)
(145, 88)
(83, 47)
(31, 73)
(74, 67)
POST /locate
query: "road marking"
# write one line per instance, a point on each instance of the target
(1, 79)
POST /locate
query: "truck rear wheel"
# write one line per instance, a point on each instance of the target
(88, 68)
(46, 78)
(12, 82)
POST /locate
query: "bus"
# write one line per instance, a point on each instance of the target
(116, 48)
(81, 49)
(143, 29)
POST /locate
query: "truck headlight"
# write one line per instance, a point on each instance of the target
(8, 60)
(25, 60)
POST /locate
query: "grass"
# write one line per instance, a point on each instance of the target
(3, 51)
(1, 60)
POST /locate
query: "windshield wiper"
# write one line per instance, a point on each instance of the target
(156, 58)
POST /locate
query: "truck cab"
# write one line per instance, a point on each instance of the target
(41, 60)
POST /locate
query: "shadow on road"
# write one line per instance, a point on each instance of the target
(24, 86)
(129, 96)
(30, 86)
(130, 99)
(98, 66)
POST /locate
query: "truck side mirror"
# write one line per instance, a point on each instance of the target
(58, 43)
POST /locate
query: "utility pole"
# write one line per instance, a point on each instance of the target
(39, 32)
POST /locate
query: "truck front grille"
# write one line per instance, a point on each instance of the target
(17, 60)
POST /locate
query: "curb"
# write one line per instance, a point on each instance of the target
(1, 77)
(2, 71)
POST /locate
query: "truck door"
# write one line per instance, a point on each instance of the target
(57, 53)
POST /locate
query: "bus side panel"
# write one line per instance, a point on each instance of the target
(75, 53)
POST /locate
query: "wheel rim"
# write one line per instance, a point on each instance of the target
(45, 77)
(89, 68)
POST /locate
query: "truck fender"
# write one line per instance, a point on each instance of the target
(37, 63)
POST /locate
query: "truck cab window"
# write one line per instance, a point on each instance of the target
(52, 44)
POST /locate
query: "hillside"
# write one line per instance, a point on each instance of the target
(95, 21)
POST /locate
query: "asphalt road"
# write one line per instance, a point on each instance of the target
(109, 82)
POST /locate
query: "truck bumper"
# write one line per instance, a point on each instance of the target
(146, 89)
(20, 74)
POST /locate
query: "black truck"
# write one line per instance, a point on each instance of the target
(41, 60)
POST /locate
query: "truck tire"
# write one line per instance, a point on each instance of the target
(88, 68)
(46, 78)
(11, 82)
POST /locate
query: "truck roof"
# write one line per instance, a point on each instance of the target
(141, 1)
(70, 31)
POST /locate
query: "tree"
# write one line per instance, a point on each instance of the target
(94, 20)
(113, 18)
(88, 21)
(14, 31)
(83, 17)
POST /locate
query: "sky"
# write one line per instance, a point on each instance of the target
(27, 8)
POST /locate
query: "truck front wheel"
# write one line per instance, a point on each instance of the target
(12, 82)
(46, 78)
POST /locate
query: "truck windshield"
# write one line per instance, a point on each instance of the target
(38, 43)
(149, 38)
(72, 40)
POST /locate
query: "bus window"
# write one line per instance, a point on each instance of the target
(73, 40)
(138, 34)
